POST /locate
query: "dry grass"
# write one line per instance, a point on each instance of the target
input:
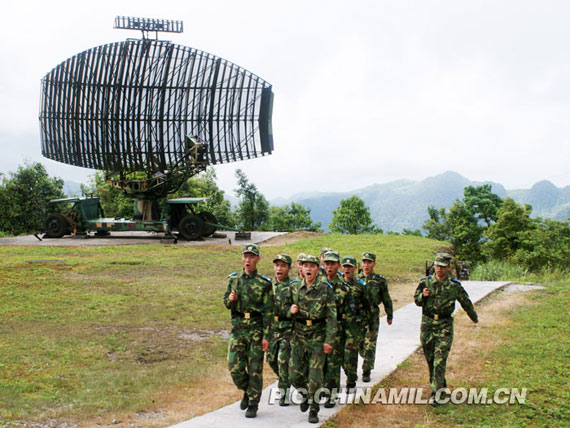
(466, 364)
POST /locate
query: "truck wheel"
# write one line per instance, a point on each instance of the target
(191, 227)
(208, 217)
(56, 226)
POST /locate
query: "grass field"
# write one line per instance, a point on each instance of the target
(97, 333)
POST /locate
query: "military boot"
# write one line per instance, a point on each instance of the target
(304, 406)
(244, 402)
(283, 402)
(313, 417)
(251, 411)
(366, 377)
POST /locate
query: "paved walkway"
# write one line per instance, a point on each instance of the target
(134, 238)
(395, 344)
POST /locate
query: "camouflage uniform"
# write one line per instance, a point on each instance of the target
(314, 325)
(376, 291)
(251, 320)
(357, 322)
(437, 322)
(282, 331)
(333, 361)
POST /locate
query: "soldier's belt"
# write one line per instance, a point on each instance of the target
(309, 322)
(247, 315)
(436, 317)
(281, 319)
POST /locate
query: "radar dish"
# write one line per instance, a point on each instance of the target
(129, 106)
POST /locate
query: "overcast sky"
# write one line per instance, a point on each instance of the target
(365, 91)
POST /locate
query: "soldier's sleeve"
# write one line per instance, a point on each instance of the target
(418, 296)
(267, 310)
(465, 302)
(227, 302)
(331, 317)
(386, 299)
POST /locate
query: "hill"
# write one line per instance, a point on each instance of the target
(403, 203)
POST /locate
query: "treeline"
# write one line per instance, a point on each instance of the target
(483, 227)
(25, 196)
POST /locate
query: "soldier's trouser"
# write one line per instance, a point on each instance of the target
(278, 359)
(436, 338)
(306, 365)
(350, 361)
(368, 347)
(333, 362)
(245, 361)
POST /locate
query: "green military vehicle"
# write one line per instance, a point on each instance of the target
(174, 217)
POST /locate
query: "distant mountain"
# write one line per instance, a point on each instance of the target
(71, 188)
(403, 203)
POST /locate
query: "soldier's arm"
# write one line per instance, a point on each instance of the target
(227, 302)
(387, 300)
(466, 303)
(418, 295)
(267, 310)
(330, 311)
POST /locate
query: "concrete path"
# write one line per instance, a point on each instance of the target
(134, 238)
(395, 344)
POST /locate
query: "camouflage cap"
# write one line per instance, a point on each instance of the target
(311, 259)
(332, 256)
(369, 256)
(282, 257)
(301, 257)
(349, 261)
(325, 250)
(442, 259)
(250, 248)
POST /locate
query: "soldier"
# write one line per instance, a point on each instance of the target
(376, 292)
(282, 327)
(333, 361)
(248, 296)
(322, 266)
(437, 298)
(300, 258)
(314, 330)
(357, 320)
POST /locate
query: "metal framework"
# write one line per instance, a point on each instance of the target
(129, 106)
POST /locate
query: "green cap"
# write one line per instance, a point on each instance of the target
(349, 261)
(442, 259)
(369, 256)
(325, 250)
(301, 257)
(250, 248)
(311, 259)
(282, 257)
(332, 256)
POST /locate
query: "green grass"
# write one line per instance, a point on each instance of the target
(103, 329)
(537, 357)
(504, 271)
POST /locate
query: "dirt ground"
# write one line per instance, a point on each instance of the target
(290, 238)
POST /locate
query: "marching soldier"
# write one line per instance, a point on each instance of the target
(357, 320)
(376, 292)
(282, 327)
(437, 298)
(314, 330)
(333, 361)
(248, 296)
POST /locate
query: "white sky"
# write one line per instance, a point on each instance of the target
(365, 91)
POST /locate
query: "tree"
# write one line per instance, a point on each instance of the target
(506, 236)
(437, 226)
(353, 216)
(253, 209)
(25, 196)
(112, 199)
(409, 232)
(465, 232)
(482, 202)
(292, 217)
